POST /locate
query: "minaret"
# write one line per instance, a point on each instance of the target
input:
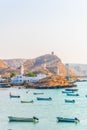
(22, 69)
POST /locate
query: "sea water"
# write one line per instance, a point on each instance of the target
(46, 111)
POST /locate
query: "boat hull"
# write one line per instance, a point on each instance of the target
(69, 101)
(22, 119)
(27, 101)
(72, 120)
(46, 99)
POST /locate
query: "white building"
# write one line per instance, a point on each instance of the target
(19, 79)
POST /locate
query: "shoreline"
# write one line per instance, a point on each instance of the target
(50, 87)
(39, 87)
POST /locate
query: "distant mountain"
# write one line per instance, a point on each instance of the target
(79, 69)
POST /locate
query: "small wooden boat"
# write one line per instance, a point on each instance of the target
(69, 101)
(37, 93)
(46, 99)
(70, 94)
(14, 96)
(67, 91)
(27, 101)
(73, 120)
(22, 119)
(73, 89)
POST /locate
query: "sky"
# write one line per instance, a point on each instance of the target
(31, 28)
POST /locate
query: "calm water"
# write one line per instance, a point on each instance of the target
(46, 111)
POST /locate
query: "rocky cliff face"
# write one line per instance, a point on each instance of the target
(48, 64)
(3, 64)
(14, 63)
(5, 69)
(50, 82)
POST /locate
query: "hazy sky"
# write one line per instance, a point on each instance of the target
(30, 28)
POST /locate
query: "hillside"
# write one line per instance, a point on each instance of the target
(14, 63)
(3, 64)
(5, 70)
(48, 64)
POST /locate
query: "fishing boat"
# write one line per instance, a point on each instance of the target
(69, 101)
(73, 89)
(27, 101)
(46, 99)
(62, 119)
(72, 94)
(14, 96)
(22, 119)
(68, 91)
(37, 93)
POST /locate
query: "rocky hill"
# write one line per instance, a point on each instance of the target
(3, 64)
(5, 70)
(48, 64)
(53, 81)
(14, 63)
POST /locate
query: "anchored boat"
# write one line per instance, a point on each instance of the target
(22, 119)
(69, 101)
(14, 96)
(72, 94)
(27, 101)
(37, 93)
(73, 120)
(46, 99)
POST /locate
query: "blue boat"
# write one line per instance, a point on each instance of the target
(73, 89)
(72, 94)
(14, 96)
(37, 93)
(69, 101)
(72, 120)
(46, 99)
(67, 91)
(22, 119)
